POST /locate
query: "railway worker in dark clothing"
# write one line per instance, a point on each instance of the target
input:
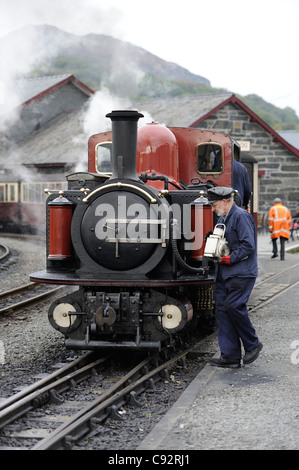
(235, 276)
(241, 183)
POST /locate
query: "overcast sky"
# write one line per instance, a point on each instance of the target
(242, 46)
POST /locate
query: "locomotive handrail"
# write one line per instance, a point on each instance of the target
(51, 191)
(120, 185)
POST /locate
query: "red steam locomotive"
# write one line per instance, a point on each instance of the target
(130, 233)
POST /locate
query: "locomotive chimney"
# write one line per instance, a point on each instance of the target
(124, 144)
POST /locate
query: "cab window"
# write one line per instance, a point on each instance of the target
(209, 158)
(103, 157)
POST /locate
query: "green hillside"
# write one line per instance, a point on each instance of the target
(128, 70)
(151, 86)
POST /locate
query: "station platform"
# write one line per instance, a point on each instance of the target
(255, 407)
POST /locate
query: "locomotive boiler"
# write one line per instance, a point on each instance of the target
(130, 234)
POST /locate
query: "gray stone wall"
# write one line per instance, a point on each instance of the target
(280, 168)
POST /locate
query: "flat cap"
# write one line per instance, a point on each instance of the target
(220, 192)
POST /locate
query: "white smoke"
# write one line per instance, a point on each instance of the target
(20, 53)
(101, 103)
(94, 119)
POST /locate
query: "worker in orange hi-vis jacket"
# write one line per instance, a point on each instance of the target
(279, 223)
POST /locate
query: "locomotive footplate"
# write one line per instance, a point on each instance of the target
(91, 280)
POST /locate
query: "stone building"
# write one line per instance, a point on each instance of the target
(40, 119)
(38, 125)
(49, 133)
(278, 160)
(35, 101)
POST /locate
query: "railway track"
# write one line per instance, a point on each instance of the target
(272, 284)
(39, 417)
(4, 252)
(46, 396)
(17, 299)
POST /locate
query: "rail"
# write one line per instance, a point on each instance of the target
(27, 301)
(127, 389)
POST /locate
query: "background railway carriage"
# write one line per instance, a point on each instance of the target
(129, 233)
(22, 203)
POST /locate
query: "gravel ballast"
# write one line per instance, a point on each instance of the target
(31, 347)
(28, 341)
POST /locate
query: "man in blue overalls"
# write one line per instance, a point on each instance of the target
(241, 183)
(235, 276)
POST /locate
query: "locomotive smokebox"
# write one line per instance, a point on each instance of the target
(124, 144)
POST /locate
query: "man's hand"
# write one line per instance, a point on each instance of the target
(225, 260)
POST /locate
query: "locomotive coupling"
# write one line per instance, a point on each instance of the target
(216, 244)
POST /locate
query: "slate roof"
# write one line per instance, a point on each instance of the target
(26, 90)
(61, 140)
(182, 111)
(189, 111)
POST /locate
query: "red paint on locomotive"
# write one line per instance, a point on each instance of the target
(189, 140)
(201, 223)
(157, 153)
(60, 219)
